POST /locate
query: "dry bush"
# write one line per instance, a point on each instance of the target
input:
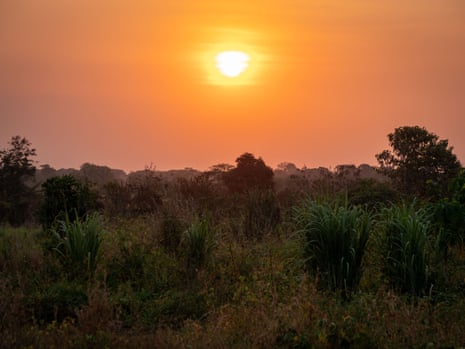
(99, 314)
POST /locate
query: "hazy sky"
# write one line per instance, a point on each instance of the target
(132, 83)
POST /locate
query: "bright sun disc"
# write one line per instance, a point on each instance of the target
(232, 63)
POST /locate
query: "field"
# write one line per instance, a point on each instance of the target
(240, 271)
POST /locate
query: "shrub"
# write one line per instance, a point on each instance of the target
(79, 242)
(404, 248)
(173, 307)
(57, 301)
(65, 196)
(449, 222)
(171, 231)
(262, 213)
(371, 193)
(335, 240)
(198, 243)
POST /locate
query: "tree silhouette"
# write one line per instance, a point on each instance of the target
(66, 197)
(417, 158)
(16, 167)
(250, 173)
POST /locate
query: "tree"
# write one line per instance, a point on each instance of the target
(417, 157)
(250, 173)
(16, 167)
(66, 198)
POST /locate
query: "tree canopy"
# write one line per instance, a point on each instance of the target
(249, 173)
(16, 167)
(417, 158)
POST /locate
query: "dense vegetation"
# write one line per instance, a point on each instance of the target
(229, 258)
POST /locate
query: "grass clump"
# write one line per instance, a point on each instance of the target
(79, 242)
(198, 243)
(404, 248)
(335, 238)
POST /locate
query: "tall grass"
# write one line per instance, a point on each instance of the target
(79, 242)
(404, 248)
(262, 214)
(335, 240)
(198, 243)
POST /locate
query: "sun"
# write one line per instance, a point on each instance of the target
(233, 57)
(232, 63)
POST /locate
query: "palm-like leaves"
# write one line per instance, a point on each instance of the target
(198, 243)
(404, 248)
(79, 242)
(335, 241)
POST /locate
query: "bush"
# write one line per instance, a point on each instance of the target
(263, 213)
(371, 193)
(57, 302)
(198, 243)
(66, 196)
(79, 243)
(173, 307)
(335, 240)
(171, 231)
(404, 248)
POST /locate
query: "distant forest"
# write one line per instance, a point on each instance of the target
(418, 164)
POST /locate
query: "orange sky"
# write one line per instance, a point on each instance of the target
(132, 83)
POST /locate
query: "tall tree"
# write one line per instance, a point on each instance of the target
(417, 158)
(249, 173)
(16, 167)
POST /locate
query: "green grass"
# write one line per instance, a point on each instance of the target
(198, 243)
(79, 242)
(335, 241)
(406, 248)
(217, 290)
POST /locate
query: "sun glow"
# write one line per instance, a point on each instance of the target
(233, 57)
(232, 63)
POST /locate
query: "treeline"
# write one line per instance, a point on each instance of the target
(418, 164)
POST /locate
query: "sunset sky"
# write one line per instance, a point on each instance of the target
(127, 83)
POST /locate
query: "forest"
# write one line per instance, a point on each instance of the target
(237, 256)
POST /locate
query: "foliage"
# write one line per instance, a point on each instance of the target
(202, 190)
(253, 294)
(250, 173)
(173, 307)
(404, 248)
(335, 241)
(448, 218)
(140, 194)
(417, 156)
(262, 213)
(145, 191)
(117, 199)
(371, 193)
(57, 302)
(16, 167)
(171, 232)
(198, 243)
(66, 196)
(154, 283)
(79, 242)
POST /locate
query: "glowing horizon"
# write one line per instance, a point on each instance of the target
(127, 84)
